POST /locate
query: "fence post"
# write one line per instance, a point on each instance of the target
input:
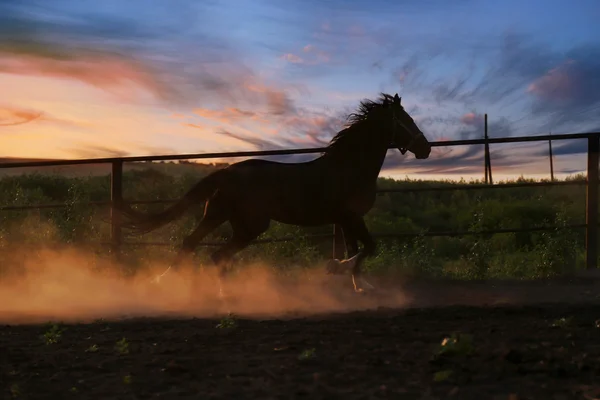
(488, 161)
(339, 245)
(551, 159)
(591, 212)
(116, 197)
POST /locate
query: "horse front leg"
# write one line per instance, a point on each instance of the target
(355, 230)
(339, 267)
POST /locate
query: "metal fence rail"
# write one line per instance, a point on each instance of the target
(591, 183)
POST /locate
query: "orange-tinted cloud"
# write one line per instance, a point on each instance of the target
(102, 70)
(277, 101)
(471, 119)
(13, 116)
(195, 125)
(557, 84)
(10, 116)
(97, 151)
(312, 56)
(228, 115)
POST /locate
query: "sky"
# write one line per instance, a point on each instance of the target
(82, 78)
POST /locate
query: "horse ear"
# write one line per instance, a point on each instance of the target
(397, 99)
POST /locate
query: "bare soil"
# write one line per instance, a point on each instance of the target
(529, 341)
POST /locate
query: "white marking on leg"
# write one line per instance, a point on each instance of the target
(356, 288)
(349, 263)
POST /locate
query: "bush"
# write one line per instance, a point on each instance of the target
(523, 255)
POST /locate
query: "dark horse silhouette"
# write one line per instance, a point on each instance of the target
(339, 187)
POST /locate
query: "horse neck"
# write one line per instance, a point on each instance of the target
(364, 162)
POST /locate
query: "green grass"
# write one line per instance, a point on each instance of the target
(505, 255)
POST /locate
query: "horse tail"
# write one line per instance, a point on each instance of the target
(142, 223)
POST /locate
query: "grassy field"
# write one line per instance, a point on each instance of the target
(505, 255)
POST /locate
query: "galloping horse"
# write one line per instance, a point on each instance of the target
(339, 187)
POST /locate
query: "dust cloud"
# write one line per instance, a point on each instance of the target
(61, 285)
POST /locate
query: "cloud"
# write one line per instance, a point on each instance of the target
(303, 129)
(37, 40)
(292, 58)
(314, 129)
(472, 119)
(104, 71)
(569, 147)
(560, 90)
(187, 60)
(100, 151)
(229, 115)
(465, 160)
(96, 151)
(311, 56)
(11, 116)
(570, 91)
(115, 53)
(559, 84)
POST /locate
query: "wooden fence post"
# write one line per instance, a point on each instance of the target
(591, 212)
(339, 245)
(116, 197)
(488, 161)
(551, 159)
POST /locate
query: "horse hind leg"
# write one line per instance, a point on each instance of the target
(244, 232)
(213, 217)
(368, 250)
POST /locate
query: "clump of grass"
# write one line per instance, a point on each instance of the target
(308, 354)
(562, 322)
(122, 346)
(92, 349)
(53, 334)
(442, 376)
(15, 390)
(453, 347)
(456, 344)
(227, 322)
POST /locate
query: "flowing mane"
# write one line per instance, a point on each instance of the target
(349, 136)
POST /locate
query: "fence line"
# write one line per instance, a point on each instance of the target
(592, 186)
(265, 153)
(473, 186)
(397, 235)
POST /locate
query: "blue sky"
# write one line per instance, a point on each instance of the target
(96, 78)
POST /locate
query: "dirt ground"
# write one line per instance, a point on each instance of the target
(527, 341)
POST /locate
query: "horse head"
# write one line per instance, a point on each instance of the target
(406, 135)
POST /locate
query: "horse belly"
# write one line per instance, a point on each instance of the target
(361, 203)
(300, 209)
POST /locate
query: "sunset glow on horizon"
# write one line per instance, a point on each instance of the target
(86, 80)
